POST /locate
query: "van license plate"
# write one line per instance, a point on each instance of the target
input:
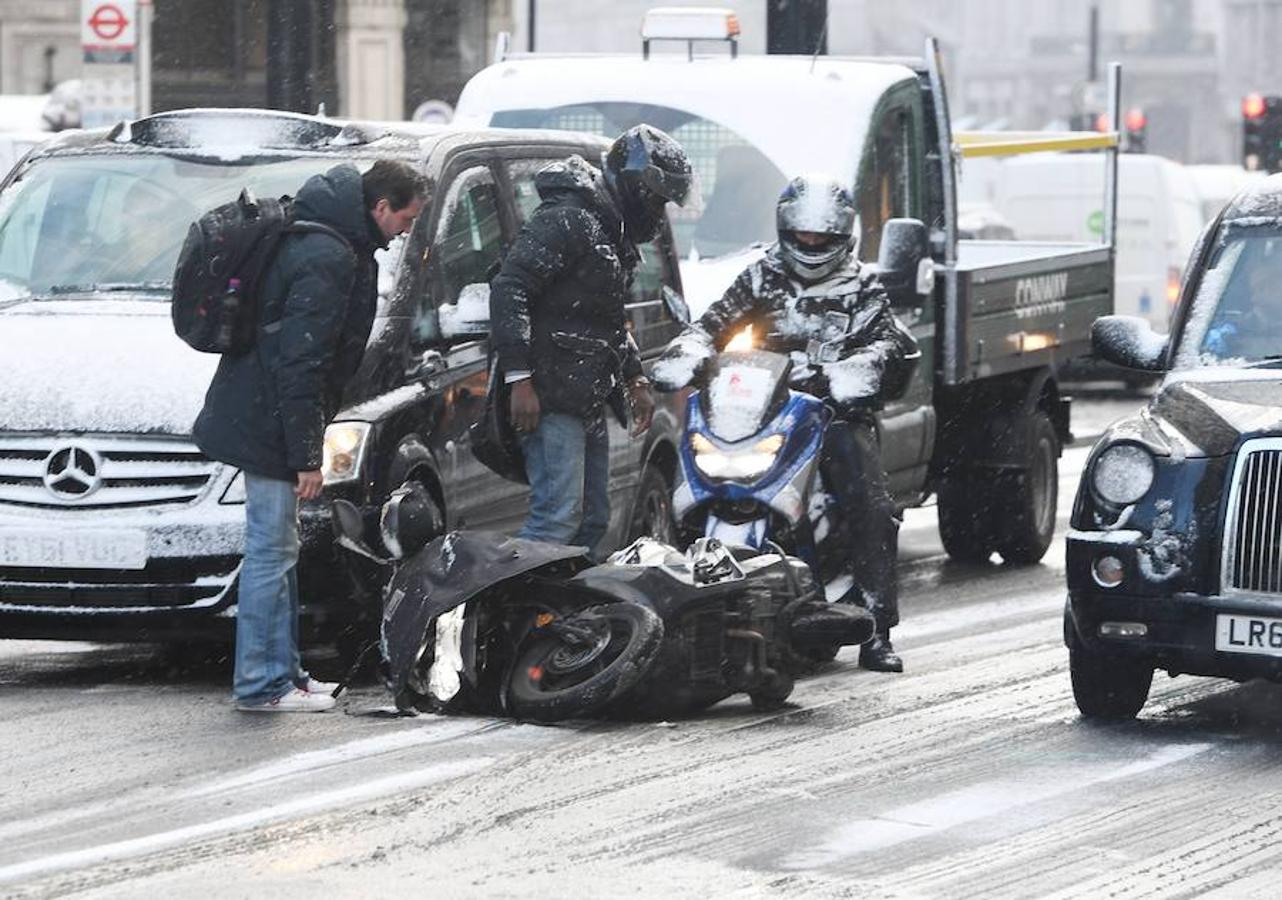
(1248, 634)
(72, 549)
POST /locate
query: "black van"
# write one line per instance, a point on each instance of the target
(113, 526)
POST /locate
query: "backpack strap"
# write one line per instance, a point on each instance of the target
(305, 226)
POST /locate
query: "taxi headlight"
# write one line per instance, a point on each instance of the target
(739, 465)
(1123, 474)
(344, 450)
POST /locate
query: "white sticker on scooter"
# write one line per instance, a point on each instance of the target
(737, 399)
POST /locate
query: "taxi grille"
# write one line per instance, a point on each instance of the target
(1254, 532)
(101, 472)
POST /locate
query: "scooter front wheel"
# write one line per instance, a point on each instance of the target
(577, 665)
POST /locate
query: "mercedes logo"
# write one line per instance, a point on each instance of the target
(72, 472)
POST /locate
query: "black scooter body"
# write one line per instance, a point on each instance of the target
(472, 609)
(725, 633)
(446, 574)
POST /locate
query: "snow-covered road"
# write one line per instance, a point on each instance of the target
(971, 775)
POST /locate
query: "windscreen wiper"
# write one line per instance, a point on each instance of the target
(111, 288)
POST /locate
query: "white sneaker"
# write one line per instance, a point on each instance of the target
(295, 701)
(319, 687)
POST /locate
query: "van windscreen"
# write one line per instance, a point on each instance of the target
(737, 185)
(80, 224)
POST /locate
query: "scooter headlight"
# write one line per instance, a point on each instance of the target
(735, 465)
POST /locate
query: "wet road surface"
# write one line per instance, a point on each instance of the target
(124, 773)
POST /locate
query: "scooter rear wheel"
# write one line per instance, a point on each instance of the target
(594, 657)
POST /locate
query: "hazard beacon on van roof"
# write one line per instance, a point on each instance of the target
(690, 24)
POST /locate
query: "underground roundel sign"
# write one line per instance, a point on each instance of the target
(108, 30)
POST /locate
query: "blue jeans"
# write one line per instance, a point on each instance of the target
(568, 462)
(267, 661)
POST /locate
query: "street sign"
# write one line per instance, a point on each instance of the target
(108, 30)
(108, 35)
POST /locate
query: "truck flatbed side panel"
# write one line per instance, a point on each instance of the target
(1032, 306)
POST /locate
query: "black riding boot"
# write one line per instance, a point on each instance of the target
(879, 656)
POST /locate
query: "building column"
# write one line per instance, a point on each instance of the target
(370, 53)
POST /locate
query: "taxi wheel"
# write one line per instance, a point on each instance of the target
(1106, 688)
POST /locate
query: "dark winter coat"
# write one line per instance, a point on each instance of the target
(790, 313)
(266, 411)
(557, 304)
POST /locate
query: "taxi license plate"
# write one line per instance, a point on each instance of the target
(1248, 634)
(72, 549)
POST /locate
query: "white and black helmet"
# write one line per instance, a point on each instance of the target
(820, 205)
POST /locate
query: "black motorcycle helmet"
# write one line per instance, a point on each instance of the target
(410, 519)
(646, 169)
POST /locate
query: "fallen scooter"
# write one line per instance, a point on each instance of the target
(483, 623)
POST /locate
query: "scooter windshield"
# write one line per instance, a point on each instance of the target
(742, 391)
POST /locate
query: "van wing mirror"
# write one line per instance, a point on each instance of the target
(469, 316)
(1130, 342)
(905, 247)
(676, 305)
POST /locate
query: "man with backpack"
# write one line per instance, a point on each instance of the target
(269, 403)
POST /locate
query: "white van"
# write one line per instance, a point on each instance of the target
(1059, 197)
(1218, 184)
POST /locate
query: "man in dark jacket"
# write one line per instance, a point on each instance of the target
(561, 331)
(266, 411)
(809, 287)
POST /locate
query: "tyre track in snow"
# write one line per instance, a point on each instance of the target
(971, 775)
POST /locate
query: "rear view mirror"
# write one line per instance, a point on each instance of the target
(904, 249)
(677, 306)
(469, 316)
(1129, 341)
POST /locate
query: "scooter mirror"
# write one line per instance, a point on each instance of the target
(348, 522)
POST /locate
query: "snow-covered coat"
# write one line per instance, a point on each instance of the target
(557, 304)
(789, 313)
(266, 410)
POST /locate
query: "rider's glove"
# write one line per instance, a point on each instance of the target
(855, 379)
(682, 359)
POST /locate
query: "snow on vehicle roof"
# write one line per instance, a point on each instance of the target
(805, 116)
(1261, 199)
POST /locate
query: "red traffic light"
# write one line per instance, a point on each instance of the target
(1135, 120)
(1253, 106)
(1101, 123)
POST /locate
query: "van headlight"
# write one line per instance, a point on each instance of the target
(1123, 474)
(737, 465)
(344, 451)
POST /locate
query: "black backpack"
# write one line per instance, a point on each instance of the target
(220, 270)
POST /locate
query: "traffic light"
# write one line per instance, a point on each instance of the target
(1134, 129)
(1136, 124)
(1262, 133)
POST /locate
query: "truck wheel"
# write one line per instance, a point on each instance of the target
(965, 523)
(1106, 688)
(652, 512)
(1032, 502)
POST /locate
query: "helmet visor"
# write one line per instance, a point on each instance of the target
(673, 187)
